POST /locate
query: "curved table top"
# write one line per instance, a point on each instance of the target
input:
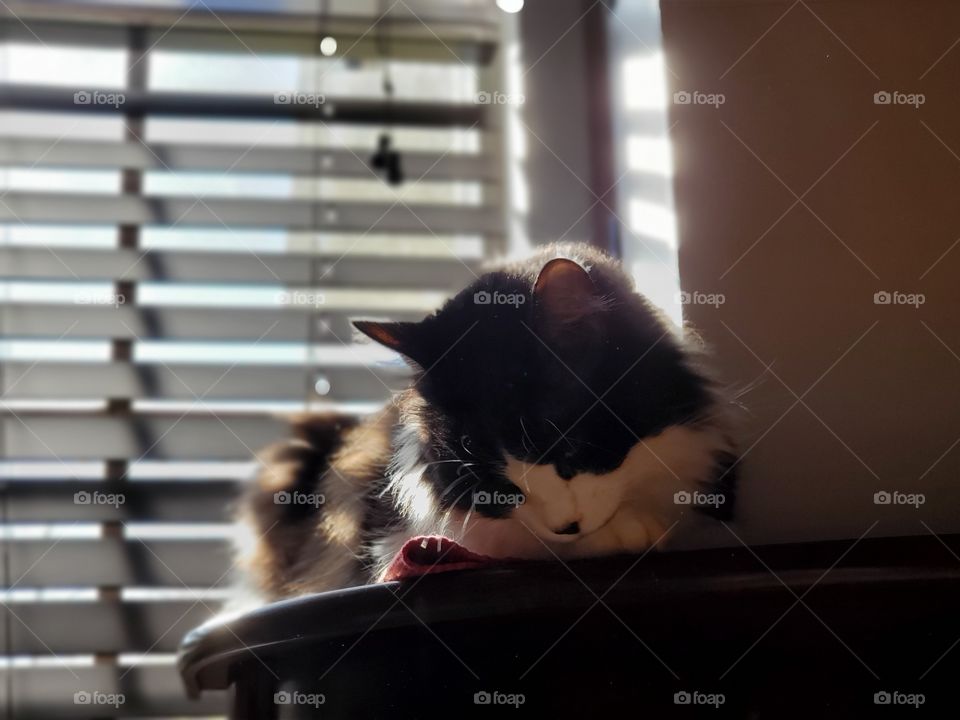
(732, 578)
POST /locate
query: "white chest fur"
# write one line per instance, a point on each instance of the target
(626, 510)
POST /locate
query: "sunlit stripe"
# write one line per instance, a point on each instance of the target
(266, 133)
(43, 180)
(185, 470)
(653, 220)
(48, 405)
(14, 469)
(50, 235)
(49, 595)
(50, 531)
(650, 155)
(146, 594)
(63, 65)
(59, 350)
(180, 531)
(14, 662)
(644, 78)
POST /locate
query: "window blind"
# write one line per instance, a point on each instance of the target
(186, 231)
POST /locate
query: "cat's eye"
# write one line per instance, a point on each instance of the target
(466, 443)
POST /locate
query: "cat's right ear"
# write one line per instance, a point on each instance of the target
(398, 336)
(563, 294)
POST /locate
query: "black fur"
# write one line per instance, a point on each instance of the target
(577, 394)
(556, 361)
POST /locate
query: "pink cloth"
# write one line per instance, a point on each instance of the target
(429, 554)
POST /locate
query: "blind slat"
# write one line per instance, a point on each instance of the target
(187, 157)
(75, 322)
(291, 213)
(167, 437)
(177, 501)
(241, 266)
(331, 110)
(112, 562)
(64, 381)
(76, 628)
(48, 693)
(472, 46)
(425, 23)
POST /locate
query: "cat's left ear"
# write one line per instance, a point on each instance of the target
(564, 297)
(399, 336)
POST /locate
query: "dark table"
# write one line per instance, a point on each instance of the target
(827, 629)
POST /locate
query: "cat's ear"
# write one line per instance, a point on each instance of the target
(406, 338)
(563, 296)
(394, 335)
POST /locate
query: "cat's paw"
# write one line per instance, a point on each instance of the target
(626, 532)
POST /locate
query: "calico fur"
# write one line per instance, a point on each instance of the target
(554, 412)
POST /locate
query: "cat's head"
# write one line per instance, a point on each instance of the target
(535, 384)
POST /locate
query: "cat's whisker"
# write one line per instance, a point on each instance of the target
(460, 479)
(441, 462)
(453, 485)
(466, 467)
(739, 392)
(523, 478)
(524, 437)
(563, 435)
(448, 513)
(466, 519)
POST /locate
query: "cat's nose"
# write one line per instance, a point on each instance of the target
(571, 529)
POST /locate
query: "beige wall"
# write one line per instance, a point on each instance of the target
(799, 283)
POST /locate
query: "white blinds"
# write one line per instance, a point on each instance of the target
(181, 252)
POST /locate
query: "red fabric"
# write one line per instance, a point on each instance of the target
(429, 554)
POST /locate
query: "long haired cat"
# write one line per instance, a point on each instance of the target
(553, 412)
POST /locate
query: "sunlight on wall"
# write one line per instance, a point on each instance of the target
(653, 220)
(650, 155)
(645, 86)
(641, 134)
(517, 190)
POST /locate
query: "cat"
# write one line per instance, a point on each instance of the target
(554, 412)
